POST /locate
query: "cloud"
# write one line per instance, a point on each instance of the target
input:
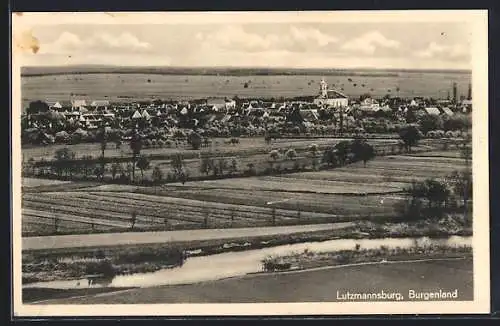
(294, 39)
(311, 34)
(99, 42)
(235, 37)
(369, 42)
(435, 50)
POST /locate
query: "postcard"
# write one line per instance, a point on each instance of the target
(250, 163)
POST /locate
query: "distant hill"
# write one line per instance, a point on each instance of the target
(222, 71)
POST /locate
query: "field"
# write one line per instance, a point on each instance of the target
(309, 286)
(343, 194)
(246, 146)
(123, 87)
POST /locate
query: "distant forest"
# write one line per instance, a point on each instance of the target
(223, 71)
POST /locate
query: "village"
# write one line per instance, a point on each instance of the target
(329, 113)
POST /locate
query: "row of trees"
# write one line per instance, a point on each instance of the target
(432, 197)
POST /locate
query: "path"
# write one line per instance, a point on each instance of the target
(140, 238)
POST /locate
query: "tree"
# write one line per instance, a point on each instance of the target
(461, 183)
(330, 157)
(466, 153)
(136, 147)
(37, 107)
(222, 165)
(457, 122)
(410, 136)
(143, 163)
(313, 150)
(115, 169)
(437, 193)
(234, 165)
(194, 139)
(342, 149)
(430, 122)
(205, 165)
(362, 150)
(133, 220)
(31, 164)
(103, 142)
(410, 116)
(291, 154)
(62, 158)
(86, 164)
(177, 164)
(274, 155)
(157, 175)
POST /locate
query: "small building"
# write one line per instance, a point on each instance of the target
(432, 111)
(447, 111)
(78, 104)
(221, 103)
(466, 106)
(330, 97)
(136, 115)
(100, 104)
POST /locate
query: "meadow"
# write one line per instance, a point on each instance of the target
(129, 87)
(348, 193)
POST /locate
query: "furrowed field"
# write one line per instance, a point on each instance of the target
(122, 87)
(347, 193)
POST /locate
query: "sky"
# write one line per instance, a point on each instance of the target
(325, 44)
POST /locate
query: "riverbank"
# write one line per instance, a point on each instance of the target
(107, 262)
(315, 285)
(310, 260)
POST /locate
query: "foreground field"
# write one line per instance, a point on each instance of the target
(343, 194)
(307, 286)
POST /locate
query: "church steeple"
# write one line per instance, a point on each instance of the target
(323, 88)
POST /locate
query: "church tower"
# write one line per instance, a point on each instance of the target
(323, 88)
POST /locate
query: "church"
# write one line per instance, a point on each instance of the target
(330, 97)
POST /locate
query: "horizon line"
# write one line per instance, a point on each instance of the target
(243, 67)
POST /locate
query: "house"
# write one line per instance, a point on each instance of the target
(369, 102)
(145, 115)
(91, 121)
(382, 111)
(309, 115)
(100, 104)
(230, 104)
(53, 105)
(72, 115)
(136, 115)
(78, 104)
(447, 111)
(466, 106)
(257, 112)
(220, 103)
(330, 97)
(432, 111)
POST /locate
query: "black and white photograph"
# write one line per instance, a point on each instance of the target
(250, 163)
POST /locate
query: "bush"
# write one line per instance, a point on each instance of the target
(100, 267)
(409, 210)
(194, 139)
(251, 169)
(291, 154)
